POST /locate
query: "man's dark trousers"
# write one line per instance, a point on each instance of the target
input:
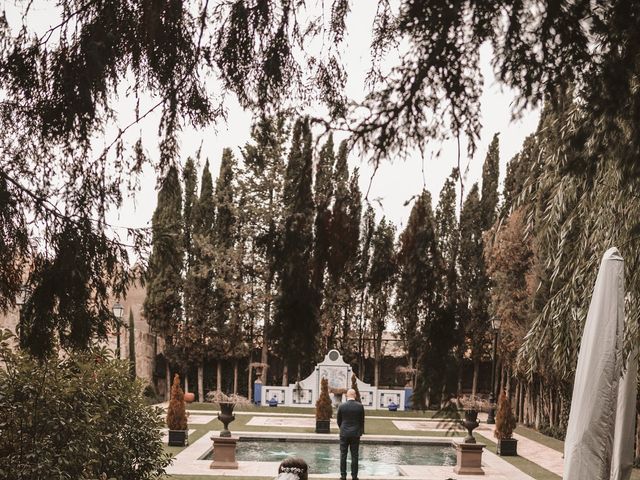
(351, 423)
(346, 444)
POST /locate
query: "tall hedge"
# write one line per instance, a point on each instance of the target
(77, 417)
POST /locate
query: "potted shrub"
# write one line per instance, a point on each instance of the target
(177, 416)
(505, 423)
(324, 410)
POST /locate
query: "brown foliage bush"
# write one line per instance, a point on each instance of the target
(505, 420)
(176, 413)
(324, 410)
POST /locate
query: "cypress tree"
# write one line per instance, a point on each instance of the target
(419, 270)
(190, 179)
(490, 177)
(132, 345)
(473, 279)
(163, 303)
(198, 282)
(224, 239)
(296, 325)
(447, 327)
(323, 195)
(262, 184)
(381, 281)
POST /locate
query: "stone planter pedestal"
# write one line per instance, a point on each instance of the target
(224, 452)
(469, 458)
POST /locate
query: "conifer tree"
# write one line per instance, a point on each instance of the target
(490, 175)
(323, 195)
(473, 279)
(419, 268)
(296, 326)
(199, 279)
(343, 256)
(368, 228)
(163, 303)
(224, 239)
(132, 345)
(261, 185)
(190, 180)
(449, 323)
(381, 281)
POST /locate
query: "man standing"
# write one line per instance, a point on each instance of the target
(351, 423)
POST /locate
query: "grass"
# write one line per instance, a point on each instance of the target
(531, 434)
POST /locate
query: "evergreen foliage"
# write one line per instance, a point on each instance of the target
(163, 302)
(78, 415)
(176, 412)
(490, 177)
(296, 321)
(381, 281)
(418, 288)
(132, 346)
(324, 409)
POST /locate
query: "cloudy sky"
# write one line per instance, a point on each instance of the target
(394, 182)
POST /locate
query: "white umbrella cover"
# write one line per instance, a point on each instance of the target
(589, 440)
(623, 454)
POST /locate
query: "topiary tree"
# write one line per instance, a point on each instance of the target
(324, 410)
(505, 420)
(132, 346)
(354, 385)
(176, 414)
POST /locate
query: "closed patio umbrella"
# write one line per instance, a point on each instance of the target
(589, 441)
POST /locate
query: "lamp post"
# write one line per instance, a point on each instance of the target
(21, 299)
(118, 312)
(495, 325)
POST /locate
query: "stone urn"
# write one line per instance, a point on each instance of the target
(189, 397)
(226, 416)
(470, 422)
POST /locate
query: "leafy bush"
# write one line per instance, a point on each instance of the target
(552, 431)
(77, 417)
(505, 420)
(354, 385)
(324, 410)
(176, 413)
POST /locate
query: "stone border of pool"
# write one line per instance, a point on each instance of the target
(188, 462)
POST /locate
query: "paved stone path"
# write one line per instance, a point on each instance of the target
(303, 422)
(546, 457)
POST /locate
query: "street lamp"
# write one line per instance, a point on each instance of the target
(118, 312)
(21, 299)
(496, 322)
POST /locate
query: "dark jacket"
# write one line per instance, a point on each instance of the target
(351, 419)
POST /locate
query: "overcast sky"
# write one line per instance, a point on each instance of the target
(394, 182)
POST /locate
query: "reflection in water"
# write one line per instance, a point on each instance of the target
(375, 459)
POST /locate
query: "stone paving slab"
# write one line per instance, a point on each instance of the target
(200, 419)
(546, 457)
(424, 426)
(286, 422)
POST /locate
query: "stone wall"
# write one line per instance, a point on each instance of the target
(145, 340)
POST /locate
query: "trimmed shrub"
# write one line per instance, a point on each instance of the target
(505, 420)
(176, 413)
(354, 385)
(324, 410)
(77, 417)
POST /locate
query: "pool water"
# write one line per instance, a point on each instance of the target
(375, 459)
